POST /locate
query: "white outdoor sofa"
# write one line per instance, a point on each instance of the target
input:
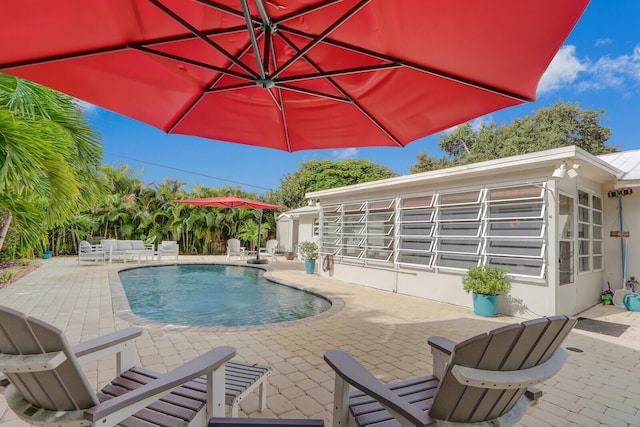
(89, 252)
(127, 249)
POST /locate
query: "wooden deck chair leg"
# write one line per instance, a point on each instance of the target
(340, 403)
(263, 394)
(215, 393)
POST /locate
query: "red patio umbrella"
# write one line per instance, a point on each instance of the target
(235, 202)
(290, 74)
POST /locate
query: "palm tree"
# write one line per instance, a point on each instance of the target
(48, 160)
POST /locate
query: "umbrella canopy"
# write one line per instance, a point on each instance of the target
(229, 202)
(235, 202)
(290, 74)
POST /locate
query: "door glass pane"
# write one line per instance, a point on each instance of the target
(565, 244)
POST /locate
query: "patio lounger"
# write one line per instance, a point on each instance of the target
(234, 248)
(44, 385)
(485, 379)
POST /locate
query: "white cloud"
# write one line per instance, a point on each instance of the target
(614, 72)
(567, 70)
(345, 154)
(563, 70)
(603, 42)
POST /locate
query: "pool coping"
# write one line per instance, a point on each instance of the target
(123, 311)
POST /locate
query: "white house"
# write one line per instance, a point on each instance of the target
(296, 226)
(549, 217)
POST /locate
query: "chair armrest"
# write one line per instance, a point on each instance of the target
(502, 380)
(442, 344)
(115, 410)
(441, 349)
(121, 343)
(263, 422)
(349, 370)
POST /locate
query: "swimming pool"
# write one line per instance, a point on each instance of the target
(215, 295)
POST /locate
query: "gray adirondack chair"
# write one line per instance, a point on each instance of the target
(44, 384)
(485, 380)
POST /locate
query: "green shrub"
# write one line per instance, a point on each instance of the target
(7, 275)
(486, 280)
(309, 250)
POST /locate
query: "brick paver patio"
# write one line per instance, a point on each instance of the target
(387, 332)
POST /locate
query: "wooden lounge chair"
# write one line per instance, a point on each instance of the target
(44, 385)
(485, 379)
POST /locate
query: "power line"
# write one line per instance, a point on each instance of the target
(186, 171)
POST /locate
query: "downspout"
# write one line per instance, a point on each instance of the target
(623, 246)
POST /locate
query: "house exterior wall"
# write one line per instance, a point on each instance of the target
(530, 296)
(305, 228)
(613, 249)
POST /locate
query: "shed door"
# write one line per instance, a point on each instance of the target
(566, 297)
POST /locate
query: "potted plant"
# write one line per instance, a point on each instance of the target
(309, 251)
(486, 283)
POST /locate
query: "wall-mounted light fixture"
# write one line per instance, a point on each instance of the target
(620, 192)
(566, 170)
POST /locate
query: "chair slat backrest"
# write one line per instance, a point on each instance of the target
(234, 245)
(64, 388)
(509, 348)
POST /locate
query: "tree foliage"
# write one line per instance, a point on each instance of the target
(48, 161)
(317, 175)
(561, 125)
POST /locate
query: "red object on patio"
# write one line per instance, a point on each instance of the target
(229, 202)
(235, 202)
(290, 74)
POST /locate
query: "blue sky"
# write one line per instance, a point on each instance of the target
(598, 67)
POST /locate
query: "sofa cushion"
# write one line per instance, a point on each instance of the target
(107, 244)
(124, 245)
(138, 245)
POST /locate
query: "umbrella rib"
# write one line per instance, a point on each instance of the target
(116, 48)
(315, 93)
(318, 39)
(201, 35)
(412, 65)
(191, 62)
(342, 72)
(55, 58)
(209, 90)
(345, 94)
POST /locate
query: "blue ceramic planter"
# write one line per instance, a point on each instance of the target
(485, 305)
(47, 254)
(310, 265)
(632, 302)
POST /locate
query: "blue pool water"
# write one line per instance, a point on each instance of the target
(214, 295)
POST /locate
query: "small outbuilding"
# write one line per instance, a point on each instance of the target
(297, 225)
(561, 221)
